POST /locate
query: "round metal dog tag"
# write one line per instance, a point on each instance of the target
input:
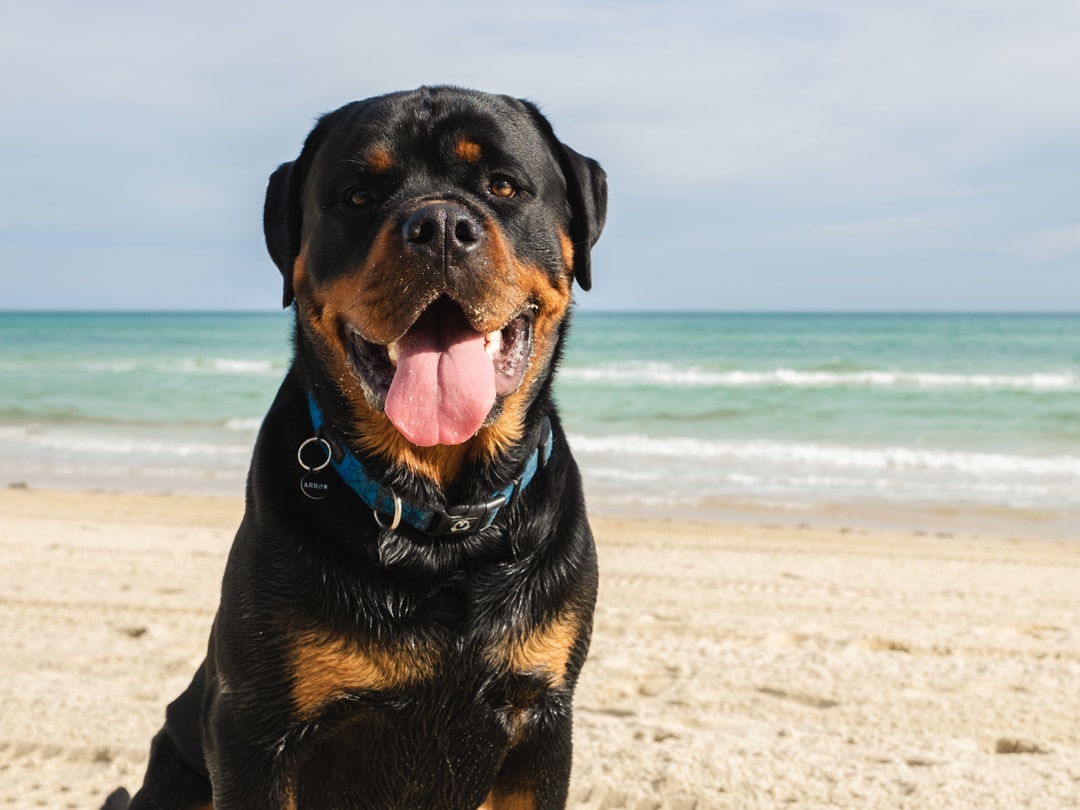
(313, 486)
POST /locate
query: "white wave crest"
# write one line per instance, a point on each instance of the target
(101, 446)
(663, 374)
(244, 425)
(227, 365)
(185, 365)
(836, 457)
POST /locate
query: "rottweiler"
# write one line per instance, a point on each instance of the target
(409, 597)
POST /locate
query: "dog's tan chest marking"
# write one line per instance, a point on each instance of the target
(508, 801)
(545, 650)
(324, 670)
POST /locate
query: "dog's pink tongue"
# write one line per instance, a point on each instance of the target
(444, 385)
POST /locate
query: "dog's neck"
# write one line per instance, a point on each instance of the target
(388, 509)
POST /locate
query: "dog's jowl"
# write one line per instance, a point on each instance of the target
(408, 601)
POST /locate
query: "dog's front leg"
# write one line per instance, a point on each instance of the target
(536, 773)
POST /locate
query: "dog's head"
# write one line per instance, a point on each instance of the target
(430, 240)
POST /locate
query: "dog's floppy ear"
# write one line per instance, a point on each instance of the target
(281, 223)
(283, 211)
(586, 189)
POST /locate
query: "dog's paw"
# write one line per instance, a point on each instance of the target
(119, 799)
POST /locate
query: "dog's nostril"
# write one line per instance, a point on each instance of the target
(425, 233)
(442, 226)
(466, 231)
(420, 228)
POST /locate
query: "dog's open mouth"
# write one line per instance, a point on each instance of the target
(440, 380)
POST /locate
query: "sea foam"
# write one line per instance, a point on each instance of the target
(840, 457)
(663, 374)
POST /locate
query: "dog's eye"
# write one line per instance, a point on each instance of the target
(502, 188)
(360, 198)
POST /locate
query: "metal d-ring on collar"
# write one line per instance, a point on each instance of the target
(314, 440)
(397, 515)
(457, 521)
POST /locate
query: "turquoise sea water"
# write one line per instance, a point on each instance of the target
(667, 414)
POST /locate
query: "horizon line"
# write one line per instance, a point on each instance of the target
(576, 312)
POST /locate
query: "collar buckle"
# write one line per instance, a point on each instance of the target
(464, 521)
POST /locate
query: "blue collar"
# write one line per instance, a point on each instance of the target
(458, 521)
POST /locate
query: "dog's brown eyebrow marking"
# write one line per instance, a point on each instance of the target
(379, 160)
(467, 150)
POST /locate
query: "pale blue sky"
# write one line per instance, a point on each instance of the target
(762, 155)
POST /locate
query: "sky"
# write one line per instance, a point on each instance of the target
(762, 155)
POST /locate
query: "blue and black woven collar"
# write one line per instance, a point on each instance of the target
(389, 509)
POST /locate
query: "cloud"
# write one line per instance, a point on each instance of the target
(771, 126)
(1051, 244)
(892, 231)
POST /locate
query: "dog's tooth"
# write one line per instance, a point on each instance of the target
(392, 351)
(493, 343)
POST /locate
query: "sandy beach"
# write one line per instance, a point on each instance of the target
(732, 666)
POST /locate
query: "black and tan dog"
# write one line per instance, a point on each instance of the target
(377, 644)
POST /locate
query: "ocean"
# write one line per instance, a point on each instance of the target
(928, 420)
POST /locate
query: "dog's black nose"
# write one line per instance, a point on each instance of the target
(443, 228)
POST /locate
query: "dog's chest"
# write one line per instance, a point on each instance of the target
(414, 727)
(507, 672)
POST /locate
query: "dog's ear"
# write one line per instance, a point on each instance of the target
(281, 223)
(283, 211)
(586, 190)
